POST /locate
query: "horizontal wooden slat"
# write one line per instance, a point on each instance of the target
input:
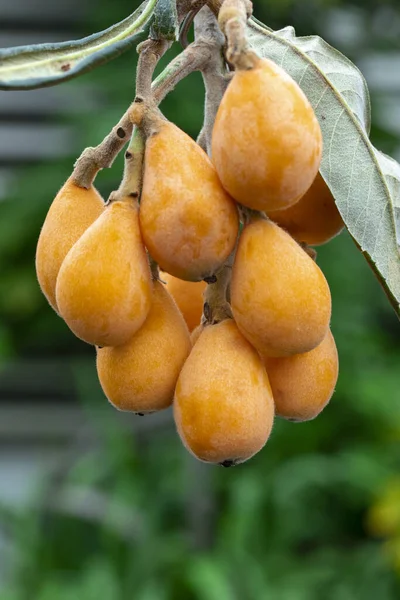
(40, 421)
(381, 71)
(21, 469)
(49, 101)
(40, 10)
(34, 142)
(34, 378)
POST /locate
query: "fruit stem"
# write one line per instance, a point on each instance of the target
(214, 71)
(191, 59)
(216, 79)
(204, 55)
(186, 25)
(202, 139)
(150, 53)
(232, 19)
(93, 159)
(249, 215)
(312, 253)
(216, 305)
(131, 184)
(154, 268)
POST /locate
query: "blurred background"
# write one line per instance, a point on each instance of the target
(96, 504)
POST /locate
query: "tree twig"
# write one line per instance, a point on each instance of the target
(131, 183)
(93, 159)
(232, 18)
(214, 71)
(186, 25)
(216, 305)
(193, 58)
(150, 53)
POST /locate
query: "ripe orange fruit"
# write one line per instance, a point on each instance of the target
(188, 221)
(280, 298)
(223, 404)
(303, 384)
(141, 375)
(266, 142)
(73, 210)
(104, 286)
(314, 219)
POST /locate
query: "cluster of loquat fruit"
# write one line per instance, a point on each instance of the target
(263, 345)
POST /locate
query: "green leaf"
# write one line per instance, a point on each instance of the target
(209, 580)
(165, 24)
(364, 182)
(42, 65)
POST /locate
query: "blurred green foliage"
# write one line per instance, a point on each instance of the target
(298, 522)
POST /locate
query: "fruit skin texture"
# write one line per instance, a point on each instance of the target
(189, 297)
(104, 286)
(194, 336)
(266, 143)
(141, 375)
(188, 221)
(73, 210)
(280, 298)
(303, 384)
(314, 219)
(223, 404)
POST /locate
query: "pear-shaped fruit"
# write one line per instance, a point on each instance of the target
(141, 375)
(189, 297)
(188, 221)
(303, 384)
(104, 285)
(223, 404)
(73, 210)
(266, 143)
(280, 298)
(314, 219)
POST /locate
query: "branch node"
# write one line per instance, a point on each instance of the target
(195, 57)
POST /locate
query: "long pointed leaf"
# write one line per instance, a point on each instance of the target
(364, 182)
(42, 65)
